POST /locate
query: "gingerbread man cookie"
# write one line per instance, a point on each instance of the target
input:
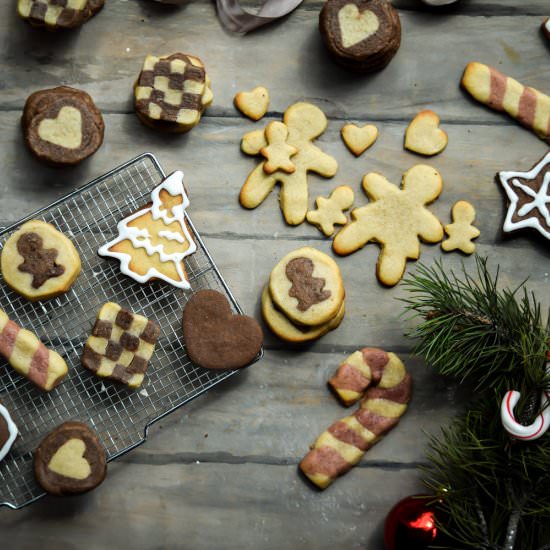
(278, 152)
(396, 219)
(331, 211)
(304, 122)
(39, 262)
(461, 232)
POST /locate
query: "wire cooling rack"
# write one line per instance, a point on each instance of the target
(120, 416)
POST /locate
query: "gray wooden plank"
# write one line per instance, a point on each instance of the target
(172, 506)
(105, 62)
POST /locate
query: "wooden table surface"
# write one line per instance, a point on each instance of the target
(221, 472)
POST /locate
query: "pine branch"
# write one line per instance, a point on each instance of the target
(471, 329)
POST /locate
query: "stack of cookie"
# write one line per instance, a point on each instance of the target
(304, 298)
(360, 35)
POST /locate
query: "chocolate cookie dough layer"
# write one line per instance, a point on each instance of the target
(62, 126)
(172, 92)
(361, 35)
(70, 460)
(58, 14)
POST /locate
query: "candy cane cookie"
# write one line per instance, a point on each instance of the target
(29, 356)
(369, 366)
(343, 445)
(528, 106)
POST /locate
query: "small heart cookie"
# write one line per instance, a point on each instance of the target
(424, 136)
(214, 337)
(359, 138)
(253, 104)
(70, 460)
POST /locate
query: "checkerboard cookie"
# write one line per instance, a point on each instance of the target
(120, 346)
(172, 92)
(58, 14)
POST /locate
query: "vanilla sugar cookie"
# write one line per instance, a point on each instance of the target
(58, 14)
(253, 104)
(307, 287)
(424, 136)
(331, 211)
(172, 92)
(304, 122)
(62, 126)
(70, 460)
(39, 262)
(461, 232)
(277, 152)
(153, 242)
(360, 35)
(359, 138)
(396, 219)
(288, 331)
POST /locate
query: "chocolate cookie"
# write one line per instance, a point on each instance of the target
(70, 460)
(62, 126)
(360, 35)
(172, 92)
(8, 432)
(214, 337)
(58, 14)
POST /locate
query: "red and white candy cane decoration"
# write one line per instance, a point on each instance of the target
(538, 427)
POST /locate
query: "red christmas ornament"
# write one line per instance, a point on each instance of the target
(411, 524)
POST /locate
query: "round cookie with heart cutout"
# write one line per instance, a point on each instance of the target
(70, 460)
(307, 287)
(360, 35)
(62, 126)
(214, 337)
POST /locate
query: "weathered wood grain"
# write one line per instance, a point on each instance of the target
(426, 71)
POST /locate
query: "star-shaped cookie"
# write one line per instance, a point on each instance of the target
(529, 196)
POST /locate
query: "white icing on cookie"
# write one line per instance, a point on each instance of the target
(540, 202)
(12, 430)
(140, 237)
(547, 25)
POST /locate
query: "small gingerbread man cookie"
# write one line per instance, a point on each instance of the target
(278, 151)
(331, 211)
(461, 232)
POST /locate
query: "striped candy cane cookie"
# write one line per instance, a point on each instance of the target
(343, 445)
(29, 356)
(528, 106)
(369, 366)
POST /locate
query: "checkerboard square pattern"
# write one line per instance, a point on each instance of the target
(120, 346)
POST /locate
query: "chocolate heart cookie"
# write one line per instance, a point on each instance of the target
(62, 126)
(70, 460)
(360, 35)
(215, 338)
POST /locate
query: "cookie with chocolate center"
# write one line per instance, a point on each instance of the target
(360, 35)
(70, 460)
(172, 92)
(58, 14)
(62, 126)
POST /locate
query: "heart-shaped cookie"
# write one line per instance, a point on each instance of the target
(253, 104)
(214, 337)
(359, 138)
(356, 26)
(65, 130)
(424, 136)
(70, 460)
